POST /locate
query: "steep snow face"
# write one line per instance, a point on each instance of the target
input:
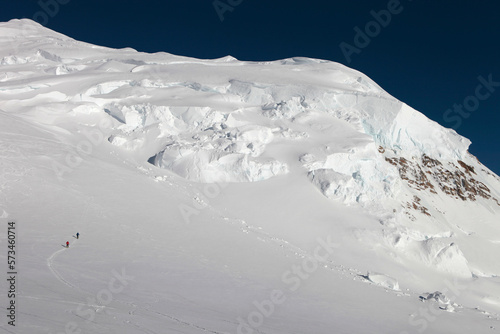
(198, 110)
(249, 124)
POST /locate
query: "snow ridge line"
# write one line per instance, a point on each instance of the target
(50, 261)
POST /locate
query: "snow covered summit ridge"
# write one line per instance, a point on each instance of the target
(289, 88)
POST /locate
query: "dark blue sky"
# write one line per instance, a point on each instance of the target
(430, 55)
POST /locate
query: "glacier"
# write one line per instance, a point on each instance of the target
(211, 181)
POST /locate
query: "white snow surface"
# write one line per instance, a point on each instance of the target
(228, 196)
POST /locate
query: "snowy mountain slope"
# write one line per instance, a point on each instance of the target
(216, 182)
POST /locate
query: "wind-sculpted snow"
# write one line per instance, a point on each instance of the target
(283, 91)
(218, 156)
(443, 302)
(383, 280)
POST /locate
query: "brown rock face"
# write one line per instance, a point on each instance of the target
(426, 173)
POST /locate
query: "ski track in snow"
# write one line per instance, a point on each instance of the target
(260, 234)
(295, 251)
(50, 264)
(344, 271)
